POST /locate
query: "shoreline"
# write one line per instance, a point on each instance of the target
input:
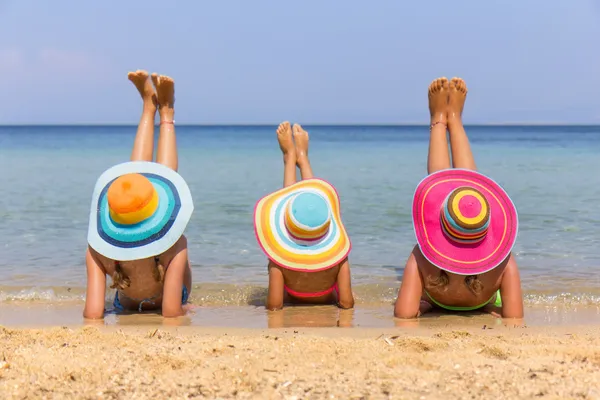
(184, 362)
(42, 315)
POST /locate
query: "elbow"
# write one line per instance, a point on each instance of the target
(403, 314)
(274, 306)
(515, 316)
(346, 304)
(93, 315)
(167, 313)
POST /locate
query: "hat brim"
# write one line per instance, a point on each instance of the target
(288, 252)
(148, 238)
(454, 257)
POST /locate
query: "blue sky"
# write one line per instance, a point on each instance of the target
(311, 61)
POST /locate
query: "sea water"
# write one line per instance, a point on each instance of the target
(47, 174)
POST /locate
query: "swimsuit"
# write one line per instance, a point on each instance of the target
(325, 292)
(497, 303)
(119, 307)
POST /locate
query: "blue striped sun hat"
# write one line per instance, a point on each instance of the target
(139, 209)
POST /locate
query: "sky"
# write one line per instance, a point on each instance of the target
(310, 61)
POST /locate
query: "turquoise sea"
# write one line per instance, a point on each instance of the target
(47, 174)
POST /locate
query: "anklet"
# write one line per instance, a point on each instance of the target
(167, 122)
(435, 123)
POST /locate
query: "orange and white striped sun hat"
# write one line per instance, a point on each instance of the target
(300, 227)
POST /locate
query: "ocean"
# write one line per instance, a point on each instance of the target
(47, 174)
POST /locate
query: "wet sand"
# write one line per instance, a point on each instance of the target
(293, 363)
(38, 314)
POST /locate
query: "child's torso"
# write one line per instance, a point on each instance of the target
(143, 283)
(457, 293)
(310, 282)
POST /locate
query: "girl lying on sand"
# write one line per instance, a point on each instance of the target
(300, 230)
(139, 212)
(465, 223)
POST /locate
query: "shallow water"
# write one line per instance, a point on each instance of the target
(47, 176)
(69, 314)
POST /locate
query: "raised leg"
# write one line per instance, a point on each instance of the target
(166, 153)
(462, 156)
(301, 141)
(143, 146)
(286, 143)
(438, 157)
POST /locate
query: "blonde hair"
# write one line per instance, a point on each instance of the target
(472, 282)
(121, 281)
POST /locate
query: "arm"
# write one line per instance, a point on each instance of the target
(510, 291)
(408, 304)
(174, 281)
(345, 297)
(275, 294)
(96, 286)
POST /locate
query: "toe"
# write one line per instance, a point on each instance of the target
(155, 79)
(444, 83)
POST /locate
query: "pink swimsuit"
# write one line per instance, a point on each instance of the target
(325, 292)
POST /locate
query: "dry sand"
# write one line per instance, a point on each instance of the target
(192, 362)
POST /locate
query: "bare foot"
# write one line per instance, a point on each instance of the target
(438, 100)
(165, 91)
(286, 143)
(142, 83)
(456, 98)
(301, 140)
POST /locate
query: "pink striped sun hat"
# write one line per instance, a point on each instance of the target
(465, 223)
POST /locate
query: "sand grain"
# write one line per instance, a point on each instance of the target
(144, 363)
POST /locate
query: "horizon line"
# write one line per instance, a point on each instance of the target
(508, 124)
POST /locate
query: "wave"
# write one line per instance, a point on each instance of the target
(218, 294)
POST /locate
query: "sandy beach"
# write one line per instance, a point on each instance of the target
(293, 363)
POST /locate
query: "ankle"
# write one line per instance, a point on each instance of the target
(439, 118)
(454, 119)
(289, 157)
(166, 114)
(302, 159)
(149, 106)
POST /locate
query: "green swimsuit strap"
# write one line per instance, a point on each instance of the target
(497, 303)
